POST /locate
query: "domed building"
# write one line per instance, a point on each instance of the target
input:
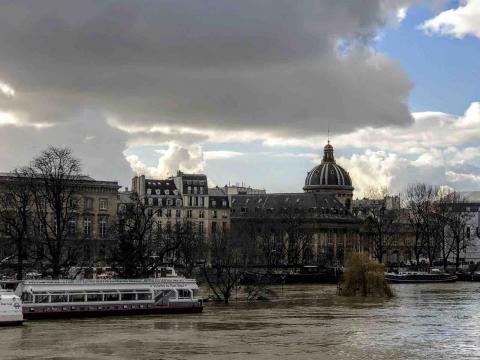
(329, 177)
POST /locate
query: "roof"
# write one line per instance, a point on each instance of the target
(308, 204)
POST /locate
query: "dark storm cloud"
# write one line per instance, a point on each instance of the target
(250, 64)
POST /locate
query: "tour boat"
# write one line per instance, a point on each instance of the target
(102, 297)
(418, 277)
(10, 309)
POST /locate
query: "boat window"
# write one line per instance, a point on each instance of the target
(112, 297)
(183, 293)
(128, 296)
(77, 297)
(27, 297)
(41, 298)
(59, 298)
(144, 296)
(94, 297)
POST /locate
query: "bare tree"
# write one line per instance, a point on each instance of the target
(227, 266)
(381, 223)
(16, 212)
(139, 242)
(415, 208)
(55, 175)
(458, 224)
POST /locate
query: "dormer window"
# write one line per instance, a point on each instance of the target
(167, 192)
(149, 191)
(157, 191)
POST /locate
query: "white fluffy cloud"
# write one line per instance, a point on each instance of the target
(459, 22)
(188, 159)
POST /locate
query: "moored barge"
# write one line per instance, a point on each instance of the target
(81, 298)
(417, 277)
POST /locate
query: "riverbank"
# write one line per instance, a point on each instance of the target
(440, 321)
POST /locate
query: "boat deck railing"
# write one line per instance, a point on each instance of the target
(110, 281)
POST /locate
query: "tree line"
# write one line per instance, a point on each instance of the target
(431, 225)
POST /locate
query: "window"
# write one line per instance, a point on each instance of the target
(224, 226)
(201, 191)
(149, 191)
(214, 227)
(169, 226)
(468, 232)
(243, 209)
(190, 203)
(195, 190)
(189, 213)
(179, 202)
(103, 204)
(103, 227)
(200, 201)
(189, 190)
(87, 226)
(214, 214)
(214, 203)
(169, 213)
(167, 192)
(225, 214)
(88, 203)
(73, 203)
(201, 214)
(200, 227)
(169, 202)
(178, 213)
(72, 226)
(224, 203)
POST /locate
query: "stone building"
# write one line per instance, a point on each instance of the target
(185, 198)
(313, 227)
(95, 211)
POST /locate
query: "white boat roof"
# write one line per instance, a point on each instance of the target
(108, 284)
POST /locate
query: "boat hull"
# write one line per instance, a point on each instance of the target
(421, 279)
(58, 313)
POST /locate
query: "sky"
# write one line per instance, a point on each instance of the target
(246, 91)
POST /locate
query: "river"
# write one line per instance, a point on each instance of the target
(440, 321)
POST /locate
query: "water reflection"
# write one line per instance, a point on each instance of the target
(439, 321)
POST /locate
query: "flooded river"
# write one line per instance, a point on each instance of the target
(439, 321)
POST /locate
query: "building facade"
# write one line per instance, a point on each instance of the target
(313, 227)
(185, 198)
(92, 212)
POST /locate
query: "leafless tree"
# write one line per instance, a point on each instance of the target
(226, 268)
(55, 175)
(139, 243)
(458, 224)
(381, 223)
(16, 213)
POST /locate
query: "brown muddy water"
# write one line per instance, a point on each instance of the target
(440, 321)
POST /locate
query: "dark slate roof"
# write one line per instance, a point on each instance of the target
(161, 185)
(307, 205)
(328, 173)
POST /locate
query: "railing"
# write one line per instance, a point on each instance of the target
(110, 281)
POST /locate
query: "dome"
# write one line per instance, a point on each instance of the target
(328, 175)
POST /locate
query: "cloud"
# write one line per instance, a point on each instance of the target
(459, 22)
(221, 154)
(6, 89)
(269, 66)
(188, 159)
